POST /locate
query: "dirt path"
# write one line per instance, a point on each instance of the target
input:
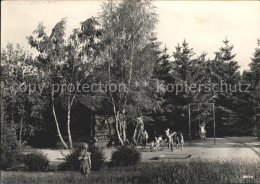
(231, 148)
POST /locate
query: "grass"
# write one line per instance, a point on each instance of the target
(168, 172)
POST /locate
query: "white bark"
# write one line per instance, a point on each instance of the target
(20, 133)
(57, 125)
(68, 126)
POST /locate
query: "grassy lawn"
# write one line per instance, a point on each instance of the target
(168, 172)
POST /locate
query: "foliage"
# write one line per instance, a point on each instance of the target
(9, 146)
(120, 46)
(226, 72)
(175, 77)
(72, 163)
(66, 61)
(233, 108)
(36, 161)
(125, 156)
(97, 157)
(130, 51)
(253, 77)
(170, 172)
(22, 107)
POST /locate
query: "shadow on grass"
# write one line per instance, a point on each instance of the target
(171, 157)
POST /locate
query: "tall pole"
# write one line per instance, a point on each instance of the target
(214, 123)
(1, 102)
(189, 127)
(257, 116)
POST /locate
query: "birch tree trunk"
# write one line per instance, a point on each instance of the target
(68, 125)
(124, 126)
(57, 125)
(70, 103)
(20, 133)
(117, 128)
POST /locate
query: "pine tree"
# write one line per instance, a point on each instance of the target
(255, 78)
(162, 65)
(184, 71)
(226, 72)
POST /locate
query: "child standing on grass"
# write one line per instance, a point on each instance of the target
(85, 160)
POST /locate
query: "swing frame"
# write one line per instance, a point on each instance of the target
(214, 121)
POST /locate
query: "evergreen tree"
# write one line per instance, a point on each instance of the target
(227, 77)
(184, 71)
(255, 79)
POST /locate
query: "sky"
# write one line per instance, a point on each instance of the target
(203, 24)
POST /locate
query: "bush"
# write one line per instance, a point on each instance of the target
(9, 146)
(36, 161)
(72, 163)
(125, 156)
(97, 158)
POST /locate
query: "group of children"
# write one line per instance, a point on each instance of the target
(176, 137)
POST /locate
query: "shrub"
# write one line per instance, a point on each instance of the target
(72, 163)
(125, 156)
(97, 157)
(36, 161)
(9, 146)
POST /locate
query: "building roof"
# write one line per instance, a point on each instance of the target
(92, 102)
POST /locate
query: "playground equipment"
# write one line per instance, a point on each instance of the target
(202, 127)
(202, 131)
(139, 128)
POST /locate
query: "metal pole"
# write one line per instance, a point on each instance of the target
(257, 116)
(214, 123)
(91, 121)
(189, 127)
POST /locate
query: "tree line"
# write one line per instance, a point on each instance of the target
(120, 47)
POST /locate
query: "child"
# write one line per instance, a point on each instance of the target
(167, 133)
(181, 141)
(177, 140)
(170, 138)
(202, 132)
(144, 138)
(161, 142)
(157, 144)
(152, 146)
(85, 160)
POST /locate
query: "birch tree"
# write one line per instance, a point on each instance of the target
(129, 52)
(66, 62)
